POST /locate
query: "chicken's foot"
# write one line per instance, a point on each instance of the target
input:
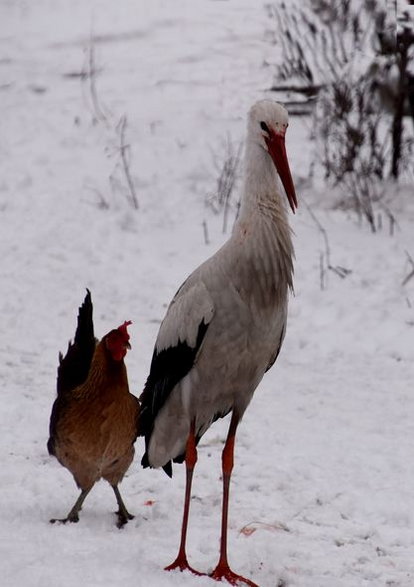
(73, 515)
(122, 513)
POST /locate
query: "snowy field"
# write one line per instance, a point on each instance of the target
(323, 487)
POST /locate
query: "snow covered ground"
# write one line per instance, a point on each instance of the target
(323, 488)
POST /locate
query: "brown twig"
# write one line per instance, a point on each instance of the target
(102, 201)
(410, 275)
(342, 272)
(124, 150)
(205, 232)
(91, 75)
(321, 271)
(227, 169)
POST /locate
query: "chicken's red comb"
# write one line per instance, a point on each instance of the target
(123, 329)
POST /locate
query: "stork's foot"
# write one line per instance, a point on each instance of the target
(182, 564)
(123, 517)
(223, 573)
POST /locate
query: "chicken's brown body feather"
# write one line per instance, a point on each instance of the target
(93, 426)
(97, 426)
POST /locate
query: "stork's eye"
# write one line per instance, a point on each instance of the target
(264, 127)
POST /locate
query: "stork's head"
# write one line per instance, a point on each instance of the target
(267, 126)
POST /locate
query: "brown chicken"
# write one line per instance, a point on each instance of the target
(93, 424)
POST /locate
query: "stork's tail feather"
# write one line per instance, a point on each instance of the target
(144, 461)
(167, 468)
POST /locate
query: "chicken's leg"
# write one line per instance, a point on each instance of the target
(181, 561)
(73, 515)
(122, 513)
(223, 571)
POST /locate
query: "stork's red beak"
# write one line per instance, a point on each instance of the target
(277, 150)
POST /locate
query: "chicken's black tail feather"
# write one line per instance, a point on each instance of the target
(74, 367)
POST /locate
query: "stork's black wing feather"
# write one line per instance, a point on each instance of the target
(168, 367)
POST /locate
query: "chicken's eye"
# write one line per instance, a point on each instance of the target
(264, 127)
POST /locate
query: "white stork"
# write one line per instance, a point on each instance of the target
(225, 326)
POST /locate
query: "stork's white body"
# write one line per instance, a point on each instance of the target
(241, 294)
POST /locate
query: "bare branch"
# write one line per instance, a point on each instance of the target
(102, 201)
(205, 232)
(125, 152)
(411, 273)
(321, 271)
(342, 272)
(227, 169)
(91, 76)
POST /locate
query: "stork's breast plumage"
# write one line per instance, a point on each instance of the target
(242, 294)
(248, 292)
(234, 356)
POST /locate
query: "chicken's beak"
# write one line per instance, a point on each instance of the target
(277, 150)
(128, 346)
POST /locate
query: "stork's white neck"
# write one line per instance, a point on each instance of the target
(262, 188)
(263, 219)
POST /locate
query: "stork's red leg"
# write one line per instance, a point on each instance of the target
(181, 561)
(223, 571)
